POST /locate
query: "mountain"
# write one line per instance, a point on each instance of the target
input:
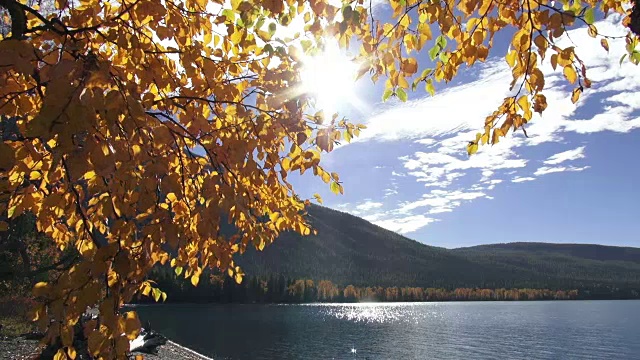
(351, 250)
(564, 263)
(583, 251)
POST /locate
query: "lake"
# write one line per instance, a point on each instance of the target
(448, 330)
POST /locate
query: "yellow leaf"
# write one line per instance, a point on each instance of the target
(40, 289)
(286, 164)
(472, 148)
(89, 175)
(335, 188)
(425, 30)
(146, 288)
(575, 94)
(136, 149)
(131, 325)
(156, 294)
(35, 175)
(523, 102)
(511, 58)
(326, 177)
(238, 277)
(71, 351)
(570, 73)
(195, 279)
(60, 355)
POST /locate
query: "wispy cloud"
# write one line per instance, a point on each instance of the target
(549, 170)
(368, 206)
(439, 129)
(404, 225)
(519, 179)
(569, 155)
(439, 201)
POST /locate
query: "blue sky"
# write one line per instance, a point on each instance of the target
(571, 181)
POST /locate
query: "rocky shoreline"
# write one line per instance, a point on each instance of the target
(19, 348)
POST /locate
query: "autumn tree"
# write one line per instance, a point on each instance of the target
(143, 126)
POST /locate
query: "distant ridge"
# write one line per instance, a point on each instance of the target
(351, 250)
(585, 251)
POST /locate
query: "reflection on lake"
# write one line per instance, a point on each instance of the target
(455, 330)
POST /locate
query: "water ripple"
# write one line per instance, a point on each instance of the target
(492, 330)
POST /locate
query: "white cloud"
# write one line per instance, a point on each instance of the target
(368, 205)
(443, 128)
(404, 225)
(430, 117)
(342, 207)
(441, 168)
(426, 141)
(486, 175)
(569, 155)
(549, 170)
(439, 201)
(390, 192)
(363, 209)
(519, 179)
(492, 183)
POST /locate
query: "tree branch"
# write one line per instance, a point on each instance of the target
(18, 18)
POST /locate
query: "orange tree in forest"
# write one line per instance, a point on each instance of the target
(139, 127)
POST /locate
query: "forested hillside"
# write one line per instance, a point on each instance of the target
(351, 259)
(564, 263)
(350, 250)
(584, 251)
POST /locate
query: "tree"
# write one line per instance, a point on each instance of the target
(27, 256)
(143, 126)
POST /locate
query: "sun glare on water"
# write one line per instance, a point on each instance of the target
(330, 79)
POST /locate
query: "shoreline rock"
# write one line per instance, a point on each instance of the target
(19, 348)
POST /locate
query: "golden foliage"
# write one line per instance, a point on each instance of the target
(143, 126)
(462, 32)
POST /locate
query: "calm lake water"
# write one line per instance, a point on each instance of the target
(454, 330)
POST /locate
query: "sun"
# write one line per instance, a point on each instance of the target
(330, 78)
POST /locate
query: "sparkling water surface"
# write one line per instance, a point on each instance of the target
(450, 330)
